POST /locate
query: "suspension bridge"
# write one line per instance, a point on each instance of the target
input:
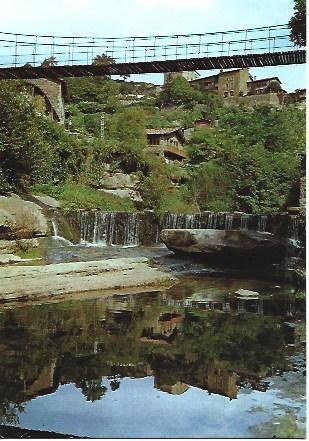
(26, 56)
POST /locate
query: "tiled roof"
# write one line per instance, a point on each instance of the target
(264, 79)
(215, 75)
(165, 131)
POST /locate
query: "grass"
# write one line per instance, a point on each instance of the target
(76, 196)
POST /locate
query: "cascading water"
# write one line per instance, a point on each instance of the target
(62, 241)
(101, 228)
(96, 228)
(133, 229)
(212, 221)
(262, 223)
(55, 228)
(173, 221)
(131, 236)
(293, 226)
(244, 221)
(229, 218)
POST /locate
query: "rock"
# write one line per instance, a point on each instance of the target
(9, 258)
(11, 246)
(7, 223)
(247, 294)
(119, 180)
(47, 200)
(236, 247)
(28, 219)
(125, 193)
(31, 282)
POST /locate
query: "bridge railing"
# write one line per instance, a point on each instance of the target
(31, 50)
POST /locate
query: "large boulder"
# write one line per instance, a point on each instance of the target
(119, 180)
(226, 246)
(22, 219)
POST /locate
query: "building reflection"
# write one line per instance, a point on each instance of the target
(222, 382)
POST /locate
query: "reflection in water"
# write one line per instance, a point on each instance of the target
(197, 334)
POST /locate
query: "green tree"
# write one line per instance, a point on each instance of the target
(251, 161)
(178, 91)
(23, 153)
(297, 23)
(49, 62)
(103, 60)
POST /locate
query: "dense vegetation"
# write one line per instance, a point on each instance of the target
(297, 23)
(249, 160)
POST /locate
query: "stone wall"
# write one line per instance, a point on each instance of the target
(271, 99)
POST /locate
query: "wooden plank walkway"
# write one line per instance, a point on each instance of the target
(206, 63)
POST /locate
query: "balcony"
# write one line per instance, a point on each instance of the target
(171, 150)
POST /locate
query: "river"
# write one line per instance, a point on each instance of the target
(195, 360)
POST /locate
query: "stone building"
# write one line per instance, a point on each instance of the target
(226, 84)
(222, 382)
(263, 85)
(49, 96)
(167, 143)
(239, 87)
(298, 97)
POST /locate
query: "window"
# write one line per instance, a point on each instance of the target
(225, 94)
(154, 140)
(231, 92)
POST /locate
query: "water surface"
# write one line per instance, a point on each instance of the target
(191, 361)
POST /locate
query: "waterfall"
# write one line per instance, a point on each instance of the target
(229, 218)
(293, 225)
(212, 221)
(56, 236)
(102, 228)
(244, 220)
(262, 223)
(97, 228)
(174, 221)
(131, 235)
(55, 228)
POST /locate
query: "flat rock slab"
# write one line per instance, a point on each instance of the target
(47, 200)
(31, 282)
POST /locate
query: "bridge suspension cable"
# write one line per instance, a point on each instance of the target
(50, 56)
(18, 49)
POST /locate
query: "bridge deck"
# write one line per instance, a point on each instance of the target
(176, 65)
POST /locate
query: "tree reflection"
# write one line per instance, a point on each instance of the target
(47, 345)
(92, 389)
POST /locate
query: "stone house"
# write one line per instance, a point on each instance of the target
(297, 97)
(226, 84)
(49, 97)
(167, 143)
(239, 87)
(263, 85)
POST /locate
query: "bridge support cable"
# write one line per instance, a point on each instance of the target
(19, 53)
